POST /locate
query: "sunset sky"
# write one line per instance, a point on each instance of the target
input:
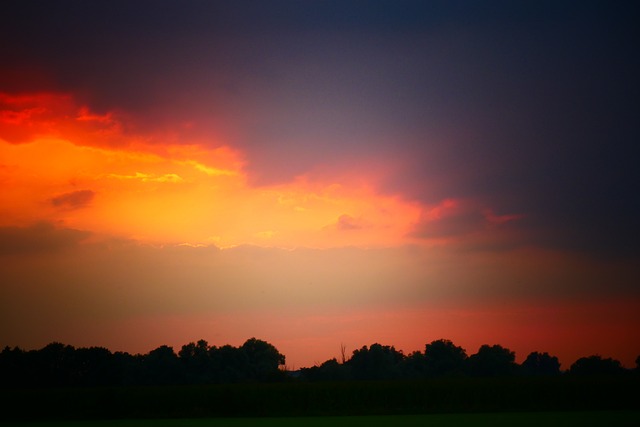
(318, 173)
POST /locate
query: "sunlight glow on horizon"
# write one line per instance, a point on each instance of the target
(420, 271)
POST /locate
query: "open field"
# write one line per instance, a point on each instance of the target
(548, 419)
(539, 396)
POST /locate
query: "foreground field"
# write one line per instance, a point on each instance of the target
(358, 398)
(562, 401)
(548, 419)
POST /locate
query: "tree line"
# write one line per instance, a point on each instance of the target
(60, 365)
(442, 358)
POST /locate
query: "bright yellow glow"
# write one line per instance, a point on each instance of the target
(71, 172)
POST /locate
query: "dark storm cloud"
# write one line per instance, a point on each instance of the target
(73, 199)
(42, 237)
(530, 106)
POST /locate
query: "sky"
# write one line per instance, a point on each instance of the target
(321, 173)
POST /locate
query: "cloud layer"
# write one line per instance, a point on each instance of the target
(529, 108)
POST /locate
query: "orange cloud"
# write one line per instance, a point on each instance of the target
(152, 188)
(165, 188)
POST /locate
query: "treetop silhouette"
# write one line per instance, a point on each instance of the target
(58, 365)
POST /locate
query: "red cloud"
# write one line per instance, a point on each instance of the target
(25, 117)
(466, 222)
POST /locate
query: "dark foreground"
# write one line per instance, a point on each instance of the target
(559, 395)
(548, 419)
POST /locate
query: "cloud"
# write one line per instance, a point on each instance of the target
(467, 225)
(42, 237)
(163, 196)
(507, 104)
(456, 225)
(146, 177)
(494, 219)
(211, 171)
(24, 116)
(27, 116)
(347, 222)
(449, 218)
(74, 199)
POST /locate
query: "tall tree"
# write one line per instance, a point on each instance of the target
(541, 364)
(195, 358)
(596, 365)
(493, 360)
(264, 359)
(375, 362)
(442, 357)
(162, 366)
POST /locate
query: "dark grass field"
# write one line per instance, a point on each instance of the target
(547, 419)
(552, 401)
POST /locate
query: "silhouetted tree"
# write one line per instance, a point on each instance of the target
(596, 365)
(413, 366)
(94, 366)
(231, 364)
(375, 362)
(541, 364)
(13, 367)
(197, 363)
(54, 365)
(128, 367)
(442, 357)
(263, 359)
(492, 360)
(58, 365)
(330, 370)
(162, 366)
